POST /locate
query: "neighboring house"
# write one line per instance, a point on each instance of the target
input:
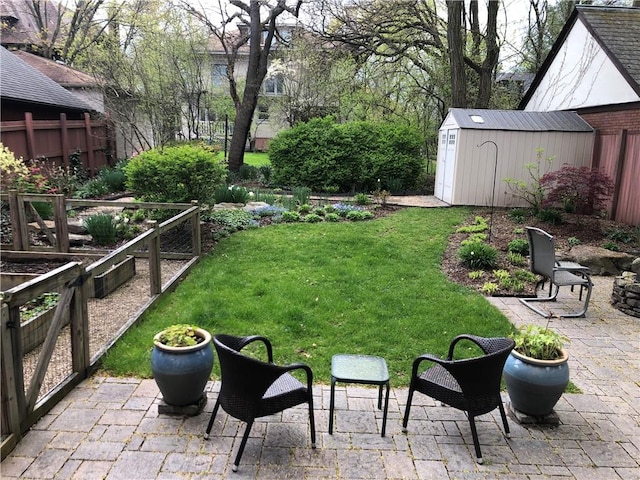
(41, 119)
(265, 124)
(81, 84)
(594, 69)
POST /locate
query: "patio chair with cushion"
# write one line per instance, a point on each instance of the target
(471, 385)
(251, 388)
(559, 274)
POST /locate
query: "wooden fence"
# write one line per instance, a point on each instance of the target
(56, 140)
(22, 395)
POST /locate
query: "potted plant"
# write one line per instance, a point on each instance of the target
(537, 371)
(181, 362)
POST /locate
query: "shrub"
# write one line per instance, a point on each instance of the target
(332, 217)
(265, 173)
(304, 208)
(489, 288)
(515, 259)
(231, 194)
(361, 199)
(229, 220)
(95, 187)
(619, 234)
(551, 216)
(102, 228)
(476, 274)
(518, 214)
(312, 218)
(580, 189)
(248, 172)
(532, 192)
(324, 155)
(114, 178)
(479, 225)
(302, 195)
(573, 241)
(525, 275)
(12, 170)
(358, 215)
(478, 256)
(519, 245)
(178, 173)
(611, 246)
(290, 216)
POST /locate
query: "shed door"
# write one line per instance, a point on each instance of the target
(442, 155)
(449, 165)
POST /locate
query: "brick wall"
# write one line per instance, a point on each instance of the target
(613, 122)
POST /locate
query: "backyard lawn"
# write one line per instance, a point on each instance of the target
(373, 287)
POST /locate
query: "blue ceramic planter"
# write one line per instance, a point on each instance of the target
(535, 386)
(181, 373)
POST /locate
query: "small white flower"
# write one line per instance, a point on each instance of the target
(251, 194)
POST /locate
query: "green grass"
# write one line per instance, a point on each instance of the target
(315, 290)
(256, 158)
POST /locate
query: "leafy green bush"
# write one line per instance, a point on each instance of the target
(359, 215)
(519, 245)
(94, 187)
(114, 178)
(550, 215)
(516, 259)
(518, 214)
(324, 155)
(265, 173)
(478, 256)
(102, 228)
(361, 199)
(312, 218)
(332, 217)
(248, 172)
(231, 194)
(290, 216)
(573, 241)
(231, 219)
(178, 173)
(613, 246)
(479, 225)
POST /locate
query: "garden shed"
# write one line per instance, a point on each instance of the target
(479, 149)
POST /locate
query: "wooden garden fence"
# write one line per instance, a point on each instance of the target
(66, 352)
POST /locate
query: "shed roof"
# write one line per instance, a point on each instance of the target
(519, 120)
(23, 83)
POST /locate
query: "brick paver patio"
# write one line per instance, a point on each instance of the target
(110, 427)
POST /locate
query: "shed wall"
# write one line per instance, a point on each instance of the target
(474, 169)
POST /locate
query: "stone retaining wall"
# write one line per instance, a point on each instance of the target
(626, 294)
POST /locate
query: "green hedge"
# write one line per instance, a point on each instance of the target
(326, 156)
(178, 173)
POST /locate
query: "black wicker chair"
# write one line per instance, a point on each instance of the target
(252, 388)
(471, 385)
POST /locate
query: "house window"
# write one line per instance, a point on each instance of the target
(263, 112)
(219, 74)
(274, 85)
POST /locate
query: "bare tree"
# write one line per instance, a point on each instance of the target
(415, 30)
(259, 18)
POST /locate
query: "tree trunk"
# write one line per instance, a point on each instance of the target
(456, 54)
(491, 57)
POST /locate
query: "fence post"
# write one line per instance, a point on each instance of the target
(14, 213)
(89, 140)
(155, 280)
(196, 246)
(79, 324)
(10, 405)
(62, 229)
(31, 142)
(64, 139)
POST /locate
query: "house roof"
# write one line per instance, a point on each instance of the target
(58, 72)
(18, 24)
(518, 120)
(22, 83)
(616, 29)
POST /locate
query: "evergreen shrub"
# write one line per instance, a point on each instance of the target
(327, 156)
